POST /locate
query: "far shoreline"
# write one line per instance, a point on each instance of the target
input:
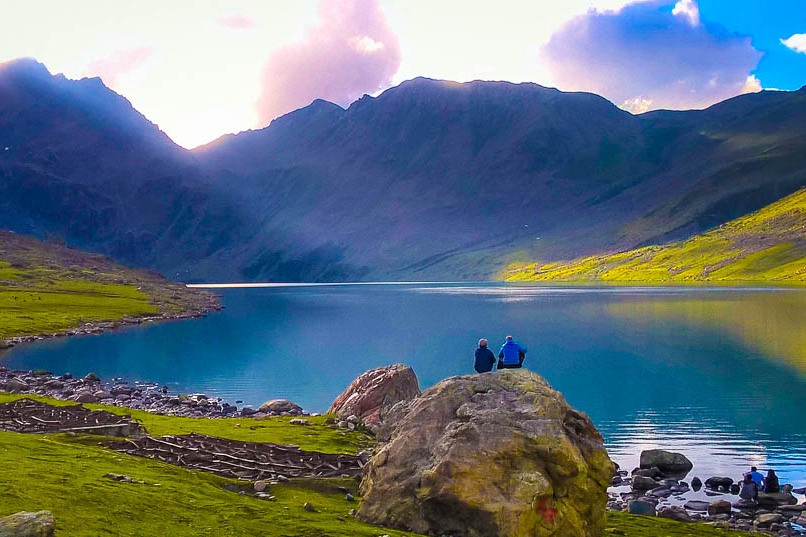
(744, 285)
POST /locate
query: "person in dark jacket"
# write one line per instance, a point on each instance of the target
(749, 488)
(771, 482)
(485, 359)
(511, 355)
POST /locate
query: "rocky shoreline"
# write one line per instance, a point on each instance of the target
(660, 486)
(148, 396)
(657, 488)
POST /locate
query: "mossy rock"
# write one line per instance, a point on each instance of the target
(486, 455)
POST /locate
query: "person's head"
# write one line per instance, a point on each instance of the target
(770, 473)
(509, 338)
(748, 478)
(482, 342)
(753, 469)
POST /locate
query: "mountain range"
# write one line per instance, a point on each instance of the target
(430, 180)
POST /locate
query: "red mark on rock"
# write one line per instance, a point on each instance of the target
(544, 509)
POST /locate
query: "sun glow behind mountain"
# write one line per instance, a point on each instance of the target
(202, 72)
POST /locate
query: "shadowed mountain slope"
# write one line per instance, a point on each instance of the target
(77, 161)
(435, 179)
(429, 180)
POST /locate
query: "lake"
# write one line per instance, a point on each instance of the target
(716, 373)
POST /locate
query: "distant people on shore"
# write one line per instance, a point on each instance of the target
(485, 359)
(771, 482)
(511, 355)
(756, 476)
(749, 488)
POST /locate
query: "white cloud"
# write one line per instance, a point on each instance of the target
(119, 62)
(752, 85)
(366, 45)
(351, 50)
(649, 54)
(796, 42)
(689, 10)
(637, 105)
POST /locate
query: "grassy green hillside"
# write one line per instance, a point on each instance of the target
(766, 246)
(64, 474)
(47, 288)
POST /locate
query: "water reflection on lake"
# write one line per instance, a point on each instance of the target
(718, 374)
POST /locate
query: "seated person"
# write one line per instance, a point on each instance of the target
(511, 355)
(771, 482)
(749, 489)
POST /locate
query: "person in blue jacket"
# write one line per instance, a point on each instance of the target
(511, 355)
(756, 476)
(485, 359)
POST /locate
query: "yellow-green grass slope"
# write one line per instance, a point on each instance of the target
(766, 246)
(47, 288)
(64, 474)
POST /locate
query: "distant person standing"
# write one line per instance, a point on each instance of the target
(771, 482)
(756, 476)
(485, 359)
(511, 355)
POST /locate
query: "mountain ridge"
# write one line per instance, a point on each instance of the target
(428, 180)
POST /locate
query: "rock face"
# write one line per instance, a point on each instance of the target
(499, 454)
(667, 462)
(24, 524)
(373, 393)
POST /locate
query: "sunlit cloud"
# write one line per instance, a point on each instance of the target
(350, 51)
(648, 54)
(118, 63)
(796, 42)
(752, 85)
(689, 10)
(637, 105)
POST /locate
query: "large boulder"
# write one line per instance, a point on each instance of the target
(717, 482)
(22, 524)
(667, 462)
(675, 512)
(641, 507)
(771, 500)
(719, 507)
(499, 454)
(280, 407)
(373, 393)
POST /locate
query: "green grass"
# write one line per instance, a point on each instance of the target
(766, 246)
(46, 288)
(64, 474)
(38, 310)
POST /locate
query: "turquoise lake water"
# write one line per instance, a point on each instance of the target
(718, 374)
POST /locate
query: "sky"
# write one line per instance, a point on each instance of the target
(203, 68)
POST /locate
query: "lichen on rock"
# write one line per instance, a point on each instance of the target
(497, 454)
(23, 524)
